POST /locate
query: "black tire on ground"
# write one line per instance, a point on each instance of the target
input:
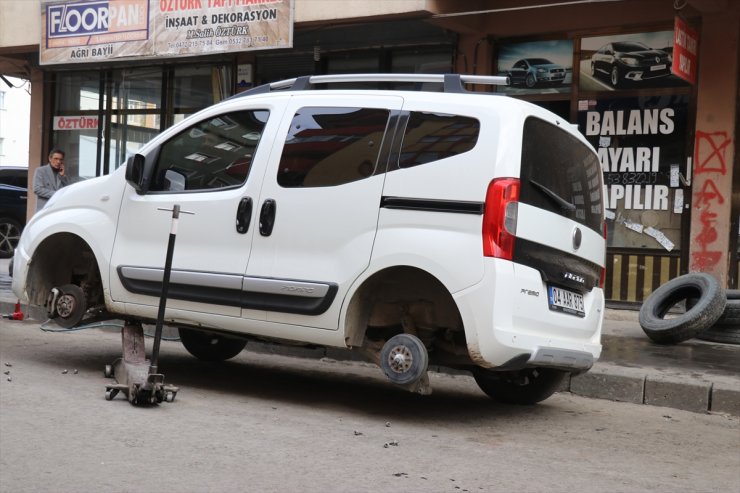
(210, 346)
(733, 294)
(10, 233)
(725, 335)
(730, 316)
(528, 386)
(710, 303)
(727, 327)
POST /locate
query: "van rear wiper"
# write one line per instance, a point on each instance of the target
(559, 201)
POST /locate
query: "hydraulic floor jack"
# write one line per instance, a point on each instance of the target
(137, 377)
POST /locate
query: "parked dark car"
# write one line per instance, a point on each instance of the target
(12, 217)
(630, 61)
(13, 199)
(532, 72)
(14, 175)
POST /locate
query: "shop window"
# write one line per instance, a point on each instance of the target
(213, 154)
(433, 136)
(77, 91)
(422, 61)
(198, 86)
(331, 146)
(138, 109)
(641, 147)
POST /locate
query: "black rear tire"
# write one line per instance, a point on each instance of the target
(528, 386)
(710, 303)
(210, 346)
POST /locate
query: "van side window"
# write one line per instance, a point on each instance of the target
(213, 154)
(331, 146)
(434, 136)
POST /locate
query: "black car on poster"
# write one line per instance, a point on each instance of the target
(629, 61)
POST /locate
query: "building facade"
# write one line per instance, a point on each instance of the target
(14, 118)
(665, 132)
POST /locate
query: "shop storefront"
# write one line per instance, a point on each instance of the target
(620, 91)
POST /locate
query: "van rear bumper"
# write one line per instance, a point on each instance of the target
(508, 322)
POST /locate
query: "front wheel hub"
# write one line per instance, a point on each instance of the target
(65, 305)
(401, 359)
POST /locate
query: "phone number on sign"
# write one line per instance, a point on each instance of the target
(190, 43)
(649, 178)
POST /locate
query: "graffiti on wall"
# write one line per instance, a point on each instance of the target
(710, 162)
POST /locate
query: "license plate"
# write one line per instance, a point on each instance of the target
(563, 300)
(657, 67)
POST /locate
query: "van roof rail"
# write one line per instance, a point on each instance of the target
(454, 83)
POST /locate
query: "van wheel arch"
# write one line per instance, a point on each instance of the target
(62, 259)
(397, 300)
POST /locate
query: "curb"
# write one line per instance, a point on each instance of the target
(605, 380)
(674, 388)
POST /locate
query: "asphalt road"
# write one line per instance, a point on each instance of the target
(273, 423)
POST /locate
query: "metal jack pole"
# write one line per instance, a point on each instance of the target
(142, 386)
(165, 286)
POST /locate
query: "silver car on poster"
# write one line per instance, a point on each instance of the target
(532, 72)
(630, 61)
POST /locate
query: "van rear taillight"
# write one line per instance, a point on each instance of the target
(499, 218)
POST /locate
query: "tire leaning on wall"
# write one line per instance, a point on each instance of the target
(710, 301)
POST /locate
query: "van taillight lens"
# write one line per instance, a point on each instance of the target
(499, 218)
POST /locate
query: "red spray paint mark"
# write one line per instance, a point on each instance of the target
(709, 158)
(710, 152)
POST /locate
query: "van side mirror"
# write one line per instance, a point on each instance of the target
(138, 174)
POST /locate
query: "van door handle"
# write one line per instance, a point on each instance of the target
(243, 215)
(267, 217)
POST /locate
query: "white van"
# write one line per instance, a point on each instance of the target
(454, 228)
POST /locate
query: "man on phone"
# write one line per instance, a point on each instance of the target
(49, 178)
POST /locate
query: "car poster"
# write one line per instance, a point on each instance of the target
(627, 61)
(536, 67)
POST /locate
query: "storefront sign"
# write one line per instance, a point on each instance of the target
(685, 44)
(94, 31)
(640, 146)
(75, 123)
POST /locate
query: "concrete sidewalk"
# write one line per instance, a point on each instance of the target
(694, 376)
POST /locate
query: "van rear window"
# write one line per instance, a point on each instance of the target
(561, 174)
